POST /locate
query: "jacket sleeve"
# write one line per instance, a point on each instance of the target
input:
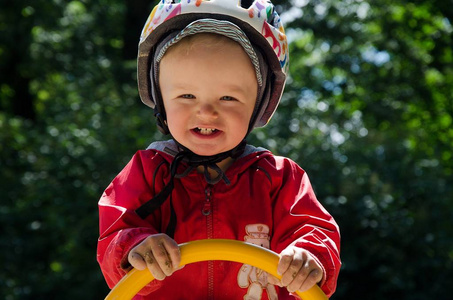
(120, 227)
(303, 222)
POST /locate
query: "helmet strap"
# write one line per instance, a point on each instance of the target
(161, 122)
(193, 160)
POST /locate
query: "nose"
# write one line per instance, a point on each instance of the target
(207, 110)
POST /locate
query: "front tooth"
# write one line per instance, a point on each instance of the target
(206, 131)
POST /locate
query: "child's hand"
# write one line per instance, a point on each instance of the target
(159, 253)
(299, 270)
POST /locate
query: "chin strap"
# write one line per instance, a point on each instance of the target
(193, 160)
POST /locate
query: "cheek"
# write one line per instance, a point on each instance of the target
(241, 120)
(178, 117)
(173, 119)
(173, 122)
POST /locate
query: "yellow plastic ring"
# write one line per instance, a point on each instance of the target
(204, 250)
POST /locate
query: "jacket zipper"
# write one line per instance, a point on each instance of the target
(207, 208)
(207, 211)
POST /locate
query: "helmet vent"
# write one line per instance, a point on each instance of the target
(247, 3)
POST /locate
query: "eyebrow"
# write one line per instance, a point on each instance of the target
(235, 88)
(242, 89)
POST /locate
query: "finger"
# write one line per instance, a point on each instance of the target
(309, 274)
(293, 270)
(163, 259)
(173, 252)
(286, 257)
(296, 283)
(313, 278)
(298, 279)
(153, 266)
(136, 260)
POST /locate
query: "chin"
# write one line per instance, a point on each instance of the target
(207, 151)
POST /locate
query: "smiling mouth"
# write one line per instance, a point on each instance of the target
(205, 131)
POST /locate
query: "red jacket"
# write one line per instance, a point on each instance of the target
(269, 202)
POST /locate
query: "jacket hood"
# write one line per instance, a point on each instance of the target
(251, 154)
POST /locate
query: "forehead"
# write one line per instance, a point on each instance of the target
(221, 63)
(204, 63)
(211, 41)
(196, 50)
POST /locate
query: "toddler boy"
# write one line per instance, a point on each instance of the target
(212, 77)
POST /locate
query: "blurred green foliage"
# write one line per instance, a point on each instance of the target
(368, 112)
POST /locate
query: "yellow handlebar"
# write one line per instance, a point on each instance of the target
(204, 250)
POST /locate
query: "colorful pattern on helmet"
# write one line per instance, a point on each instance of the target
(261, 15)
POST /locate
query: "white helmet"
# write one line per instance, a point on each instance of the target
(257, 19)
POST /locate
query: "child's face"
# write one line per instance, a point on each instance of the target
(209, 89)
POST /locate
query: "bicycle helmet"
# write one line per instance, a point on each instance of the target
(257, 19)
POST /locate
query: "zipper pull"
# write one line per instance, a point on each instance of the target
(206, 210)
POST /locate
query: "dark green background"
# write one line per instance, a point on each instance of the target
(367, 113)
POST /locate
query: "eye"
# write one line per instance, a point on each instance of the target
(228, 98)
(187, 96)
